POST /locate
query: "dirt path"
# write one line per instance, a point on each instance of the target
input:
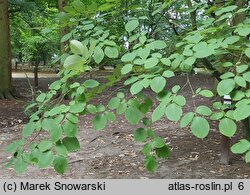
(112, 153)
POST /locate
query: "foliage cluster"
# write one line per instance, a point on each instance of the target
(147, 59)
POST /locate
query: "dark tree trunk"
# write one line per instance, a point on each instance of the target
(36, 74)
(5, 52)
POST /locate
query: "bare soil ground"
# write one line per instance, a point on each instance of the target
(112, 153)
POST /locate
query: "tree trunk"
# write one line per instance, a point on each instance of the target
(192, 15)
(63, 30)
(36, 75)
(5, 52)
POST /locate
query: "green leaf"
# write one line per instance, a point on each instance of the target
(70, 129)
(165, 61)
(244, 31)
(173, 112)
(128, 57)
(146, 149)
(121, 95)
(114, 103)
(225, 10)
(140, 135)
(241, 68)
(61, 150)
(75, 85)
(146, 121)
(111, 52)
(202, 50)
(216, 116)
(48, 124)
(44, 145)
(45, 159)
(241, 147)
(227, 64)
(206, 93)
(227, 75)
(100, 108)
(143, 39)
(200, 127)
(127, 68)
(242, 112)
(225, 87)
(240, 81)
(71, 117)
(56, 133)
(55, 85)
(76, 47)
(227, 127)
(158, 142)
(231, 40)
(66, 37)
(74, 62)
(180, 100)
(150, 163)
(71, 143)
(176, 88)
(20, 166)
(247, 157)
(77, 108)
(158, 84)
(187, 119)
(98, 54)
(99, 122)
(56, 110)
(110, 116)
(196, 38)
(247, 52)
(163, 152)
(151, 62)
(187, 52)
(91, 109)
(158, 113)
(246, 76)
(28, 129)
(204, 110)
(133, 115)
(190, 61)
(168, 74)
(60, 164)
(136, 88)
(159, 44)
(144, 52)
(11, 148)
(41, 97)
(91, 83)
(106, 6)
(122, 108)
(131, 25)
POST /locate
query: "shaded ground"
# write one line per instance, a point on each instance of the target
(112, 153)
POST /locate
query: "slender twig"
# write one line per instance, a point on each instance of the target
(192, 90)
(30, 85)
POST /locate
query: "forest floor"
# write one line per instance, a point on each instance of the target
(112, 153)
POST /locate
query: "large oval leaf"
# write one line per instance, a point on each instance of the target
(227, 127)
(200, 127)
(131, 25)
(225, 86)
(242, 112)
(173, 112)
(158, 84)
